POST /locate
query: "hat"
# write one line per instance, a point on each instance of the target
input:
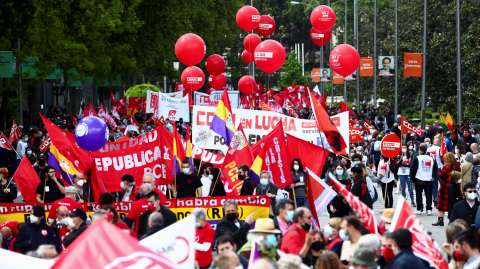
(364, 256)
(387, 215)
(265, 226)
(78, 212)
(128, 178)
(70, 189)
(357, 170)
(412, 134)
(41, 155)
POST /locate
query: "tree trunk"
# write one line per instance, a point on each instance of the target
(5, 99)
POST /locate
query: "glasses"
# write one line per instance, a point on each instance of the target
(472, 191)
(309, 217)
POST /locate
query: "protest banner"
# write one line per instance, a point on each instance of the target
(152, 98)
(408, 128)
(412, 65)
(172, 108)
(45, 144)
(258, 123)
(355, 135)
(203, 99)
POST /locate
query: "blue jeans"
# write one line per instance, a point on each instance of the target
(302, 202)
(436, 180)
(404, 180)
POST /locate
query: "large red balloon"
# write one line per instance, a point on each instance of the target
(248, 18)
(251, 42)
(215, 64)
(247, 85)
(193, 78)
(323, 18)
(190, 49)
(320, 38)
(269, 56)
(247, 57)
(217, 82)
(266, 26)
(344, 59)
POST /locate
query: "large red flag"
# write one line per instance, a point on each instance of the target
(27, 181)
(266, 107)
(86, 113)
(91, 111)
(312, 156)
(323, 101)
(408, 128)
(14, 133)
(4, 143)
(345, 108)
(422, 243)
(325, 125)
(290, 109)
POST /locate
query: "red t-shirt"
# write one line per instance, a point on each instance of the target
(204, 235)
(138, 208)
(13, 225)
(68, 202)
(163, 199)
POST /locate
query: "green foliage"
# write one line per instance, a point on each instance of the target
(292, 72)
(141, 90)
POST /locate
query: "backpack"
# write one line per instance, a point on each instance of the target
(377, 145)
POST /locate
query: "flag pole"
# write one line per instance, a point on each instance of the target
(203, 152)
(294, 198)
(216, 184)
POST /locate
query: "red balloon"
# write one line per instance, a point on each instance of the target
(248, 18)
(320, 38)
(193, 78)
(247, 85)
(217, 82)
(323, 18)
(344, 59)
(247, 57)
(266, 26)
(269, 56)
(215, 64)
(251, 42)
(190, 49)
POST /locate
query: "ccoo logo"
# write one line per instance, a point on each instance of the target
(194, 79)
(263, 54)
(316, 36)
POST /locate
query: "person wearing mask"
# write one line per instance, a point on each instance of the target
(329, 167)
(442, 205)
(334, 241)
(188, 184)
(359, 188)
(35, 233)
(364, 159)
(114, 218)
(298, 187)
(231, 225)
(387, 171)
(51, 189)
(466, 140)
(375, 150)
(248, 185)
(434, 151)
(312, 248)
(168, 125)
(339, 207)
(454, 190)
(68, 202)
(266, 187)
(137, 208)
(284, 215)
(8, 233)
(294, 239)
(402, 247)
(403, 166)
(130, 191)
(149, 179)
(155, 224)
(350, 232)
(422, 171)
(467, 208)
(205, 179)
(465, 247)
(153, 201)
(59, 226)
(118, 134)
(415, 141)
(448, 141)
(31, 155)
(387, 252)
(204, 237)
(216, 188)
(22, 145)
(8, 190)
(265, 235)
(40, 165)
(225, 244)
(78, 225)
(78, 183)
(466, 168)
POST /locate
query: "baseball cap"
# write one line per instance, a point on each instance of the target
(78, 212)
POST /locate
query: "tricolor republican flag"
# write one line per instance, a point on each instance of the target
(319, 194)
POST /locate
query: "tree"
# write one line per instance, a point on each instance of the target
(141, 90)
(292, 72)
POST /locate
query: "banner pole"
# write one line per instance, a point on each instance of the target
(215, 183)
(386, 185)
(203, 152)
(294, 198)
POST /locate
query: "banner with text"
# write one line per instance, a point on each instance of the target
(413, 65)
(152, 98)
(366, 67)
(203, 99)
(172, 108)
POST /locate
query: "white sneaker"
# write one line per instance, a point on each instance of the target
(418, 212)
(429, 212)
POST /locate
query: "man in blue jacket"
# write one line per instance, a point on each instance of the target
(402, 247)
(35, 233)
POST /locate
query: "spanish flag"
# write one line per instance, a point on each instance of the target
(223, 122)
(188, 150)
(62, 164)
(257, 165)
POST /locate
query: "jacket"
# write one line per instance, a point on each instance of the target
(293, 240)
(462, 210)
(11, 195)
(224, 226)
(467, 168)
(134, 195)
(414, 168)
(474, 175)
(454, 194)
(218, 189)
(406, 260)
(32, 235)
(74, 234)
(169, 218)
(151, 230)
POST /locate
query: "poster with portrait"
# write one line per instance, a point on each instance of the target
(386, 65)
(351, 76)
(325, 74)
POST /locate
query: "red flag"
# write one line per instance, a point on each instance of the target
(135, 122)
(112, 97)
(276, 107)
(115, 113)
(408, 128)
(244, 102)
(345, 108)
(118, 250)
(317, 95)
(91, 111)
(325, 125)
(311, 155)
(109, 119)
(443, 147)
(422, 244)
(290, 109)
(323, 101)
(74, 120)
(301, 89)
(27, 181)
(98, 187)
(363, 212)
(86, 113)
(290, 89)
(101, 112)
(266, 107)
(45, 144)
(14, 133)
(355, 134)
(366, 125)
(4, 143)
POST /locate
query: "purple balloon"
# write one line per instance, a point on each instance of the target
(91, 133)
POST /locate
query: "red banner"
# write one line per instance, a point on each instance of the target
(366, 125)
(366, 67)
(4, 143)
(408, 128)
(355, 135)
(413, 65)
(14, 133)
(45, 144)
(312, 156)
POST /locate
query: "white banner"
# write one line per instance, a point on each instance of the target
(258, 123)
(152, 97)
(172, 108)
(203, 99)
(176, 242)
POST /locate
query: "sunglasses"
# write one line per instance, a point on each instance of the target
(472, 191)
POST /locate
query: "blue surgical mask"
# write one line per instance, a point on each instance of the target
(186, 170)
(339, 172)
(271, 239)
(289, 216)
(26, 139)
(197, 224)
(150, 185)
(29, 152)
(355, 163)
(264, 181)
(351, 154)
(428, 143)
(210, 177)
(342, 235)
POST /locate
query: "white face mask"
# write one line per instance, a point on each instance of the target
(33, 219)
(80, 183)
(456, 151)
(471, 196)
(411, 147)
(296, 167)
(122, 185)
(460, 181)
(404, 150)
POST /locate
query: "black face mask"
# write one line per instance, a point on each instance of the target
(306, 226)
(41, 163)
(317, 245)
(232, 216)
(241, 177)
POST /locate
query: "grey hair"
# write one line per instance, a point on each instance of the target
(369, 241)
(289, 261)
(156, 218)
(199, 213)
(130, 183)
(230, 202)
(360, 148)
(98, 213)
(32, 253)
(469, 157)
(149, 174)
(266, 172)
(43, 248)
(149, 189)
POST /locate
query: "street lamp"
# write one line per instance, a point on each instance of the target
(300, 3)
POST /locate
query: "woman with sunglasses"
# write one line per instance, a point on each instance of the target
(442, 204)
